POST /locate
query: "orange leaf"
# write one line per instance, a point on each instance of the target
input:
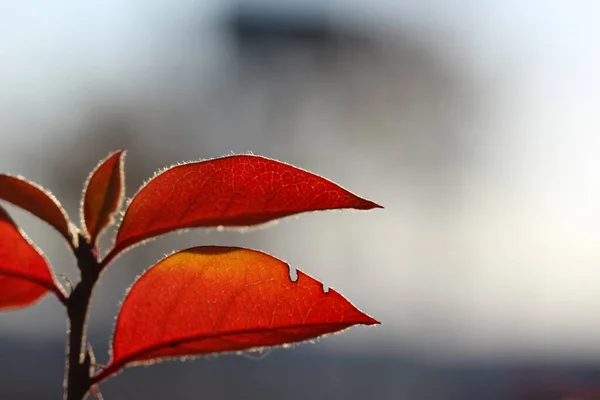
(238, 190)
(36, 200)
(222, 299)
(102, 195)
(25, 275)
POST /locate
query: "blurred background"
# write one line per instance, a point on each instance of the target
(475, 123)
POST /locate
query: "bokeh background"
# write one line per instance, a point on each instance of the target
(475, 123)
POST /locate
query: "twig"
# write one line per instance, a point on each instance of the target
(80, 361)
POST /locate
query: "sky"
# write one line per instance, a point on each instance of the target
(511, 270)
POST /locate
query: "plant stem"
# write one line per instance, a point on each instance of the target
(79, 357)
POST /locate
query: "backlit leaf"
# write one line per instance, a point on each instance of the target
(25, 275)
(222, 299)
(238, 190)
(102, 195)
(36, 200)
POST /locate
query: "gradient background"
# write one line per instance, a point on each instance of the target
(475, 123)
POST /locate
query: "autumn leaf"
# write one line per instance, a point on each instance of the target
(25, 275)
(102, 195)
(240, 190)
(36, 200)
(222, 299)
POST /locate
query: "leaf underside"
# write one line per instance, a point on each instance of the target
(25, 275)
(36, 200)
(240, 190)
(221, 299)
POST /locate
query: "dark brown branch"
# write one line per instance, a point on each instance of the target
(80, 360)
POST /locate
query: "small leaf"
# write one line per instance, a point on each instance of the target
(102, 196)
(222, 299)
(238, 190)
(36, 200)
(25, 275)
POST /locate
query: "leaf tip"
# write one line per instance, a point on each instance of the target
(366, 319)
(371, 205)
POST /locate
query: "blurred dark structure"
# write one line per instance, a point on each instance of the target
(288, 374)
(267, 35)
(254, 29)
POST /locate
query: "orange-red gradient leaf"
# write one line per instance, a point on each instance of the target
(36, 200)
(221, 299)
(238, 190)
(25, 275)
(103, 195)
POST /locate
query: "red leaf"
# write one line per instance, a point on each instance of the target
(102, 195)
(231, 191)
(36, 200)
(25, 275)
(221, 299)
